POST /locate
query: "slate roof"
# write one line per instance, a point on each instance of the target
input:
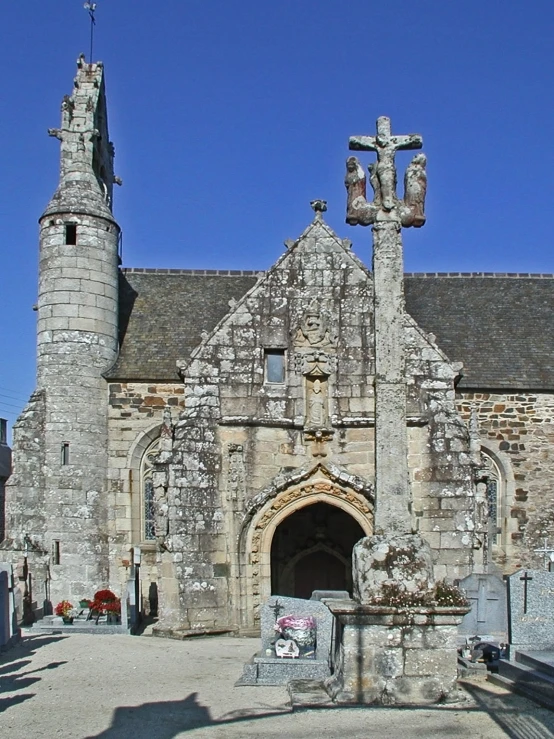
(162, 314)
(499, 326)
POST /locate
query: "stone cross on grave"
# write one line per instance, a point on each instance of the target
(387, 213)
(525, 580)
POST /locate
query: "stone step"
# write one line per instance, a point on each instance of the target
(542, 661)
(80, 625)
(528, 681)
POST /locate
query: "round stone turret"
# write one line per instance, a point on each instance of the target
(78, 341)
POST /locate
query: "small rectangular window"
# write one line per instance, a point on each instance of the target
(275, 365)
(3, 431)
(71, 234)
(55, 552)
(65, 453)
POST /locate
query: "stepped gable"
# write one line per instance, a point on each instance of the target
(498, 325)
(163, 314)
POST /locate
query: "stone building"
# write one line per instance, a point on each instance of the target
(223, 422)
(5, 471)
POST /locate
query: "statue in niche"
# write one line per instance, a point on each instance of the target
(317, 400)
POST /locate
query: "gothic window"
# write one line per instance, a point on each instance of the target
(147, 491)
(494, 499)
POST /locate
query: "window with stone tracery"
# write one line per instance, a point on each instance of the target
(494, 498)
(147, 491)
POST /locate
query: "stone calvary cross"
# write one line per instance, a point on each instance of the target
(387, 213)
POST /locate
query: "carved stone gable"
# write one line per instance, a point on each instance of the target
(313, 330)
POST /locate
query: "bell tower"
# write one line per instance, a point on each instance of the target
(77, 341)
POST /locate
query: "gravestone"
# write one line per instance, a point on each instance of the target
(531, 609)
(9, 630)
(489, 609)
(266, 668)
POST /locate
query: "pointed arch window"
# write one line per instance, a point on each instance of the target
(494, 498)
(147, 491)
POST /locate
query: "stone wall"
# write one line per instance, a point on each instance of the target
(517, 432)
(135, 417)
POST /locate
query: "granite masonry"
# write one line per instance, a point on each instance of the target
(220, 425)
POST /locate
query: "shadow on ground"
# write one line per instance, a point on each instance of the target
(168, 719)
(11, 680)
(517, 717)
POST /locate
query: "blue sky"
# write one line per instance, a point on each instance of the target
(229, 117)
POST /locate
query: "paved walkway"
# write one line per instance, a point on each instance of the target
(121, 687)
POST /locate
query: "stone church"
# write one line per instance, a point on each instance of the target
(221, 424)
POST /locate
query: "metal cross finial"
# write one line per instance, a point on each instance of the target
(546, 551)
(91, 7)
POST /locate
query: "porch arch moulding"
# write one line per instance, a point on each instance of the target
(257, 534)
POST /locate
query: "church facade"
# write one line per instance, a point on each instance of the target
(222, 423)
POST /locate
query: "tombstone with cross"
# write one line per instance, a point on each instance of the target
(488, 615)
(531, 609)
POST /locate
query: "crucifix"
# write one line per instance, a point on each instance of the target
(386, 145)
(388, 214)
(525, 579)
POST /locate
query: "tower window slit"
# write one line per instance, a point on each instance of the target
(55, 552)
(71, 234)
(65, 453)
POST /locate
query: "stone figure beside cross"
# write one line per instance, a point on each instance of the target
(410, 210)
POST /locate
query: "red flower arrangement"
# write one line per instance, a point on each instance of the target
(63, 608)
(106, 602)
(114, 606)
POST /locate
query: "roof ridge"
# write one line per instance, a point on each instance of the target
(201, 272)
(503, 275)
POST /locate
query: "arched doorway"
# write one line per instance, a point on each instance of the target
(312, 550)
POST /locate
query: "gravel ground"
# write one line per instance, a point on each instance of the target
(118, 687)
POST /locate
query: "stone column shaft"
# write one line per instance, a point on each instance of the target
(392, 487)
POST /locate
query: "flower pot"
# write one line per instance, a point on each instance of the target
(83, 604)
(67, 619)
(113, 618)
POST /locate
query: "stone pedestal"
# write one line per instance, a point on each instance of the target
(392, 656)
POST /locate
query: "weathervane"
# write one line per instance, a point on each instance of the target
(91, 7)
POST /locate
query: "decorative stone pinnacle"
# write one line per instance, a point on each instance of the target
(319, 206)
(386, 206)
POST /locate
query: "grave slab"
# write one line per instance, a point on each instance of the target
(489, 609)
(531, 610)
(9, 630)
